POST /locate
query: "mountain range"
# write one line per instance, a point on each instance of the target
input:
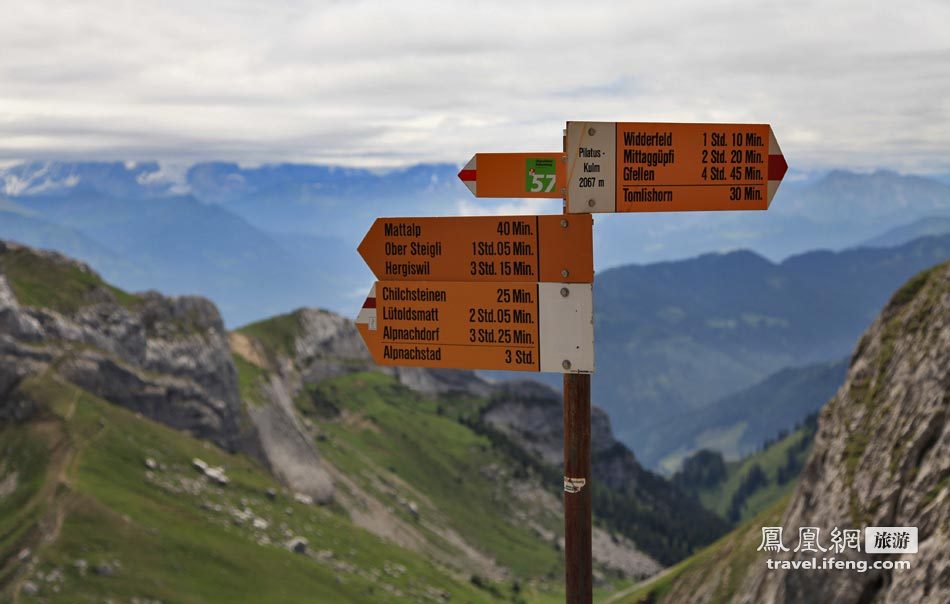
(150, 454)
(244, 229)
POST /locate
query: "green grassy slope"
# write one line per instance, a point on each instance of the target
(37, 280)
(394, 435)
(84, 493)
(277, 334)
(755, 482)
(25, 457)
(413, 452)
(398, 446)
(771, 460)
(716, 571)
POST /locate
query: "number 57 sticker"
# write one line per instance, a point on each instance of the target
(541, 175)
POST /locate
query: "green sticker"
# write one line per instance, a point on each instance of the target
(540, 175)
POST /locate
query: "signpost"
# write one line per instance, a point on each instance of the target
(514, 175)
(515, 326)
(548, 248)
(515, 292)
(651, 167)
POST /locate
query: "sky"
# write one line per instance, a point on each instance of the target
(859, 85)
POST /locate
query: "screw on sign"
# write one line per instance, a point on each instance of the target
(515, 292)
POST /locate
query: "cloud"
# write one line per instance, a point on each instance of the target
(170, 173)
(852, 83)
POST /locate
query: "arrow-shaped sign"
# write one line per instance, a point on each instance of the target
(654, 167)
(461, 325)
(481, 248)
(515, 175)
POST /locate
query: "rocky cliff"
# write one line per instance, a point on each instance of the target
(881, 458)
(166, 358)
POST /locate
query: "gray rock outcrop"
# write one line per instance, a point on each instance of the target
(532, 413)
(287, 445)
(167, 358)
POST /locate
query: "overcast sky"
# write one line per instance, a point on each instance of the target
(860, 84)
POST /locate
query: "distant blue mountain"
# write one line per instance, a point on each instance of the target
(924, 227)
(673, 337)
(320, 200)
(24, 227)
(835, 212)
(179, 245)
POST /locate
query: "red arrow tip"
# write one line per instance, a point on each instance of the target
(777, 167)
(467, 173)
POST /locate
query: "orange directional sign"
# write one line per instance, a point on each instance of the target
(481, 248)
(654, 167)
(514, 175)
(521, 326)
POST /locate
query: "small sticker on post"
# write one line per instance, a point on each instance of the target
(574, 485)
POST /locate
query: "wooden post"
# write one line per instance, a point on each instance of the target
(577, 494)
